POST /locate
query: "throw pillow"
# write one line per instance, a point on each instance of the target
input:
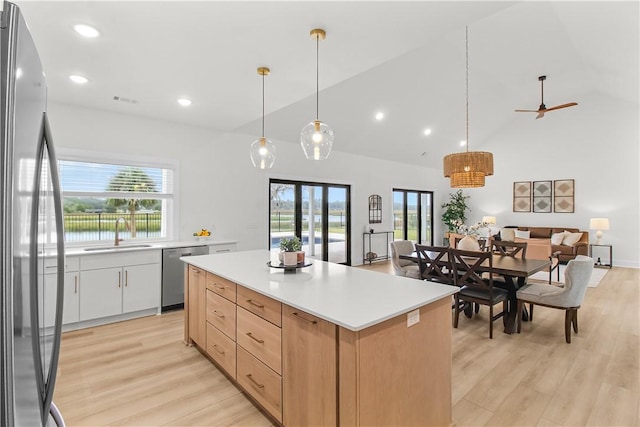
(508, 234)
(571, 239)
(556, 238)
(523, 234)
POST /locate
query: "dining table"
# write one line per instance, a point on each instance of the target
(514, 270)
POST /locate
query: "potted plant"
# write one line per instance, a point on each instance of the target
(455, 210)
(290, 246)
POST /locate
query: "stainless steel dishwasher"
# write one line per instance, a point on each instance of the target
(173, 275)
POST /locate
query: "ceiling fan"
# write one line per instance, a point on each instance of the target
(543, 108)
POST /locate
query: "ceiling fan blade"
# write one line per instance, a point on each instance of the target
(526, 111)
(557, 107)
(541, 114)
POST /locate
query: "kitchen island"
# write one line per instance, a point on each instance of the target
(328, 345)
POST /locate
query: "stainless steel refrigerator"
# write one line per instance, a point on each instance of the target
(32, 244)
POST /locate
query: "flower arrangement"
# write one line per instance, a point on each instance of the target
(470, 230)
(202, 233)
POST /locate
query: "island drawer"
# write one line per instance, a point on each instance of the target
(221, 313)
(260, 305)
(221, 286)
(264, 385)
(222, 349)
(260, 338)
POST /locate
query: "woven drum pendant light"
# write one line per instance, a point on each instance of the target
(316, 137)
(263, 152)
(468, 169)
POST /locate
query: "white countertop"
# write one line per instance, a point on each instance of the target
(141, 246)
(353, 298)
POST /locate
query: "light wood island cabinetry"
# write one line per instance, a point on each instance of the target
(333, 345)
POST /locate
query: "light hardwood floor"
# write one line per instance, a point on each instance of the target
(139, 373)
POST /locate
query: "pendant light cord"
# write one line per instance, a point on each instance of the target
(467, 81)
(263, 105)
(317, 75)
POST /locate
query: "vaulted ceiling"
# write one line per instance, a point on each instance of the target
(406, 59)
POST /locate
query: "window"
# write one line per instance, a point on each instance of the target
(317, 213)
(96, 194)
(413, 216)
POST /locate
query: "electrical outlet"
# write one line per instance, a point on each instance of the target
(413, 317)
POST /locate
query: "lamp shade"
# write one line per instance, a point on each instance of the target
(316, 139)
(599, 223)
(489, 220)
(263, 153)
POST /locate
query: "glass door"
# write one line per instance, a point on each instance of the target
(413, 216)
(317, 213)
(338, 198)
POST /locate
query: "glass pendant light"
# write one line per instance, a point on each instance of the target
(263, 152)
(468, 169)
(316, 138)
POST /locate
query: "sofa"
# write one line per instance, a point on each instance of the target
(567, 248)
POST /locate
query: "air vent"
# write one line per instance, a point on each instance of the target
(127, 100)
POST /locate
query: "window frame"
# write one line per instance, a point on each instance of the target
(170, 201)
(419, 211)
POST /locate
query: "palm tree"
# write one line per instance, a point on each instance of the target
(133, 180)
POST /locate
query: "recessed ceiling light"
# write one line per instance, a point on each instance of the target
(427, 131)
(184, 102)
(86, 31)
(79, 79)
(379, 115)
(463, 143)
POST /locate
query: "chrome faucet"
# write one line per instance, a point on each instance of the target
(118, 239)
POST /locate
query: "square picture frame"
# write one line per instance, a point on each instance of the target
(542, 191)
(522, 196)
(564, 196)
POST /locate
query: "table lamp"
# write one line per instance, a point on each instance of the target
(599, 224)
(489, 220)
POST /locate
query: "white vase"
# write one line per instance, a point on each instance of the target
(290, 258)
(469, 243)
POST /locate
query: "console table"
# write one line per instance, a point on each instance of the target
(366, 246)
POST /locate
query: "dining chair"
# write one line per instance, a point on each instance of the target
(506, 248)
(567, 297)
(474, 288)
(403, 267)
(541, 249)
(434, 264)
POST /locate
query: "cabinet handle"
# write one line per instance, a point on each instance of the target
(218, 314)
(255, 304)
(254, 338)
(215, 347)
(75, 282)
(219, 286)
(126, 277)
(119, 279)
(195, 270)
(257, 384)
(313, 322)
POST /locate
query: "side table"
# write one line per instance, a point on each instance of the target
(366, 249)
(599, 263)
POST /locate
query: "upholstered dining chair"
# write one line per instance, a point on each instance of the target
(567, 297)
(473, 287)
(403, 267)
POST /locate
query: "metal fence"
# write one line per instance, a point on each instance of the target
(80, 227)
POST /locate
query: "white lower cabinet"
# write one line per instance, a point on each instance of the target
(71, 296)
(120, 283)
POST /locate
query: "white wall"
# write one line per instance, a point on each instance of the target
(596, 144)
(220, 190)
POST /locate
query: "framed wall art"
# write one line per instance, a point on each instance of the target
(542, 191)
(375, 209)
(522, 196)
(564, 196)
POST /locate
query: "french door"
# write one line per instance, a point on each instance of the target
(413, 216)
(318, 213)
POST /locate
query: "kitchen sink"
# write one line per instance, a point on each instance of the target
(115, 248)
